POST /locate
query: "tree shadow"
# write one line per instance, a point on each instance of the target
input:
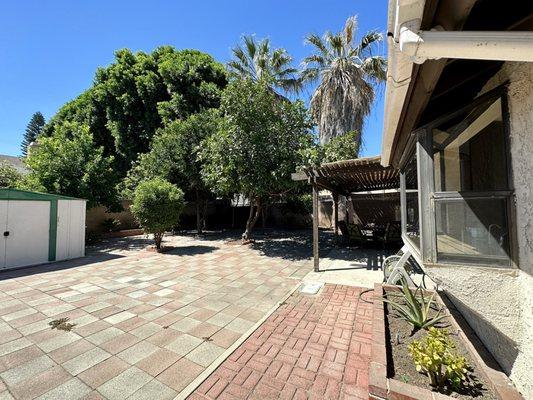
(191, 250)
(129, 243)
(294, 245)
(86, 261)
(352, 258)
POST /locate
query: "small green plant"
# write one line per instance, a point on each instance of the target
(111, 224)
(157, 206)
(435, 356)
(416, 309)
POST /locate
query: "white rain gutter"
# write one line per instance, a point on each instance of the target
(474, 45)
(409, 45)
(399, 68)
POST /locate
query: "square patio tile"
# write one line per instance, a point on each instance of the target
(73, 389)
(185, 324)
(158, 361)
(27, 370)
(103, 372)
(86, 360)
(205, 354)
(125, 384)
(137, 352)
(184, 344)
(179, 375)
(120, 317)
(154, 390)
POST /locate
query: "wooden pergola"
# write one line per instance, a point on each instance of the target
(344, 178)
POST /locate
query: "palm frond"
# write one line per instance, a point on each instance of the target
(251, 45)
(370, 38)
(349, 29)
(317, 41)
(375, 68)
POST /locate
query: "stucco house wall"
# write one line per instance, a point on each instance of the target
(498, 303)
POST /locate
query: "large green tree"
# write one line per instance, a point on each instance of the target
(260, 142)
(174, 157)
(138, 93)
(259, 62)
(69, 163)
(33, 130)
(348, 72)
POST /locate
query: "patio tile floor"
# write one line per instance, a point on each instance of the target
(146, 324)
(312, 347)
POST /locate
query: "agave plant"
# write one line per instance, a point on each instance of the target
(416, 309)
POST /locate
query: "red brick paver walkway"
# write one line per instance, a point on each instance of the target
(312, 347)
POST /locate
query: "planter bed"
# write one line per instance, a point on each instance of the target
(392, 372)
(123, 233)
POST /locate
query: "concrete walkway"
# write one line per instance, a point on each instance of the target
(312, 347)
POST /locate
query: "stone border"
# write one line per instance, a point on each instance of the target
(381, 387)
(191, 387)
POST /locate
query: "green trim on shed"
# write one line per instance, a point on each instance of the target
(18, 194)
(52, 237)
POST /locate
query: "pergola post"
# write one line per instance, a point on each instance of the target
(315, 227)
(336, 215)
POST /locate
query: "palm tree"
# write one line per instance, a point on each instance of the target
(257, 61)
(349, 73)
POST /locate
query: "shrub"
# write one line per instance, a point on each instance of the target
(435, 356)
(416, 309)
(157, 205)
(111, 224)
(9, 176)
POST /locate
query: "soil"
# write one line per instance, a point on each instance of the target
(402, 368)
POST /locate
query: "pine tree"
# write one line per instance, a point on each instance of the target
(32, 131)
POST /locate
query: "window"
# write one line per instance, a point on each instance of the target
(472, 194)
(412, 215)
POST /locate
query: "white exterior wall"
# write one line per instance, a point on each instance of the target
(498, 303)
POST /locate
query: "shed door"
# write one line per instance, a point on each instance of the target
(28, 224)
(3, 228)
(70, 229)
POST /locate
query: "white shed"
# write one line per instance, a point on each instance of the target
(38, 228)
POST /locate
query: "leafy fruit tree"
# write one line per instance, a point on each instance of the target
(138, 93)
(259, 143)
(256, 60)
(348, 72)
(157, 206)
(345, 147)
(174, 157)
(33, 130)
(9, 176)
(69, 163)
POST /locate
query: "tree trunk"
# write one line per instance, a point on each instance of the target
(252, 219)
(158, 238)
(198, 214)
(204, 214)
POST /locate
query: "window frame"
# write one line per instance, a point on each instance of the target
(421, 142)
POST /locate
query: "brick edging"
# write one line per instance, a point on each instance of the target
(382, 387)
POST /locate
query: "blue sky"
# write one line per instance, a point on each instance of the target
(49, 50)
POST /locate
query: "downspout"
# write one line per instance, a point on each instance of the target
(474, 45)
